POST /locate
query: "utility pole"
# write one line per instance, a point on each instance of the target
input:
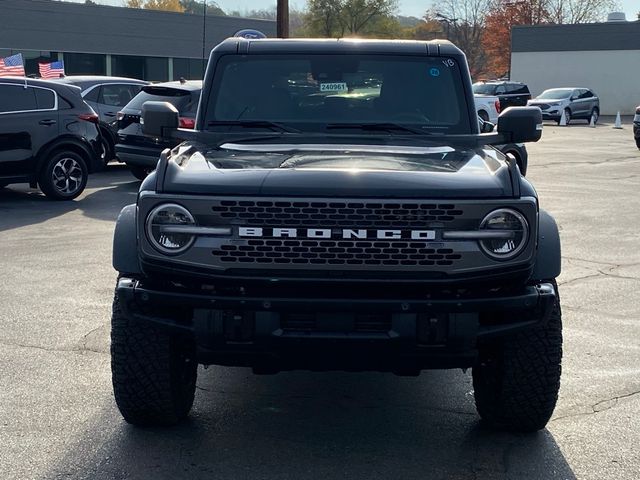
(282, 19)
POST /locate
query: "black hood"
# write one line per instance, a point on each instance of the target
(328, 170)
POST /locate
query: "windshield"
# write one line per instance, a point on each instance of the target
(556, 93)
(483, 89)
(315, 92)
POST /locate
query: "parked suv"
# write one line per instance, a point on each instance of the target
(352, 219)
(106, 95)
(49, 137)
(511, 94)
(141, 153)
(574, 102)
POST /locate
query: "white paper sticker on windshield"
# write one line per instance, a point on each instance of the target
(334, 87)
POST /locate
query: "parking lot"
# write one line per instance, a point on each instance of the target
(58, 419)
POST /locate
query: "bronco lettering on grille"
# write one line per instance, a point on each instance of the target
(387, 234)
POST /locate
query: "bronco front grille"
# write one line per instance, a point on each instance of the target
(336, 214)
(336, 252)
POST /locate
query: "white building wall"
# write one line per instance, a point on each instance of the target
(612, 74)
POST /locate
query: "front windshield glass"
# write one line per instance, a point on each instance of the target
(315, 92)
(556, 93)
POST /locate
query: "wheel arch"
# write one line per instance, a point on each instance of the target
(61, 143)
(125, 241)
(548, 256)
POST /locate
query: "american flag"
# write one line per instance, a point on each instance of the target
(12, 66)
(51, 70)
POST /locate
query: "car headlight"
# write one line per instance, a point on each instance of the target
(168, 229)
(507, 233)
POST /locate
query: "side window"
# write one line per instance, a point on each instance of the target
(115, 95)
(64, 104)
(134, 89)
(16, 98)
(93, 95)
(45, 99)
(586, 94)
(501, 90)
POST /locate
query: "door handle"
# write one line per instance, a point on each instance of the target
(47, 122)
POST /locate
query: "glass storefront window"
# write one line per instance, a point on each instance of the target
(188, 68)
(154, 69)
(85, 64)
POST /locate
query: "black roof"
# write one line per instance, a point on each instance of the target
(342, 45)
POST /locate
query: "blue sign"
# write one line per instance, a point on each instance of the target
(250, 34)
(434, 72)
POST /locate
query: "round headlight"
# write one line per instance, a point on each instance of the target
(510, 232)
(167, 228)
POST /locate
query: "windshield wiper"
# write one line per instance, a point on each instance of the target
(255, 124)
(387, 127)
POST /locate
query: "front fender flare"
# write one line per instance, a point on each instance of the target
(125, 242)
(548, 256)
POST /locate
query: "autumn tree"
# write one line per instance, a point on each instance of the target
(197, 7)
(167, 5)
(496, 38)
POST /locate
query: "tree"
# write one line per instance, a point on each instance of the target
(339, 18)
(496, 38)
(578, 11)
(197, 7)
(167, 5)
(463, 23)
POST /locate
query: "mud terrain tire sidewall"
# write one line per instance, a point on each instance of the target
(517, 379)
(154, 373)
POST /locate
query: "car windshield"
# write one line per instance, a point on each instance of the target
(556, 93)
(483, 89)
(313, 93)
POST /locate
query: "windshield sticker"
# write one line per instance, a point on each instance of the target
(434, 72)
(334, 87)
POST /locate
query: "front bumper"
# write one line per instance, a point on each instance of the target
(400, 335)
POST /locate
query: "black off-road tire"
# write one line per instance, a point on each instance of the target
(139, 172)
(153, 372)
(517, 379)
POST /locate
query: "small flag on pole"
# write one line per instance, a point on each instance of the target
(12, 66)
(51, 70)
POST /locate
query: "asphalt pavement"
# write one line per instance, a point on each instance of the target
(58, 419)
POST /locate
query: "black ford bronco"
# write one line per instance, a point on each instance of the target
(337, 208)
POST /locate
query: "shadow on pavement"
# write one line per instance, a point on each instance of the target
(319, 425)
(114, 188)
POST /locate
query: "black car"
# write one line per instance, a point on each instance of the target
(106, 95)
(141, 153)
(511, 94)
(48, 137)
(351, 220)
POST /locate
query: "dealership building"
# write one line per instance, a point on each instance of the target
(604, 57)
(103, 40)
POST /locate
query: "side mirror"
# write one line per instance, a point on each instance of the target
(159, 118)
(521, 124)
(486, 127)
